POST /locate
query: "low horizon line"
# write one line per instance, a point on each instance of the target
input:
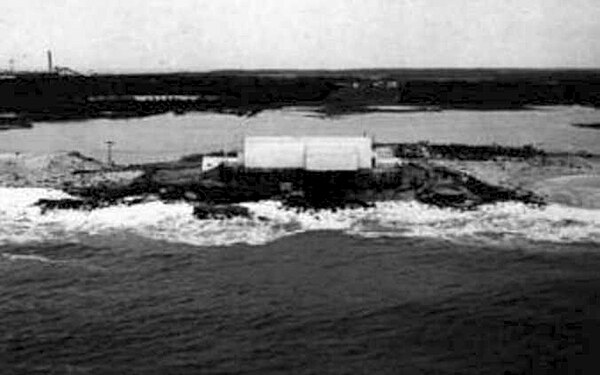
(300, 70)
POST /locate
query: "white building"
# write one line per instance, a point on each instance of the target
(211, 162)
(310, 153)
(385, 158)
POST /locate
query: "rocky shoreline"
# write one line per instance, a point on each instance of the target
(443, 181)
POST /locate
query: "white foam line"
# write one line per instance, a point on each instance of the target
(21, 221)
(27, 257)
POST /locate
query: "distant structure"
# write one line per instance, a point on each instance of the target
(213, 161)
(308, 153)
(50, 67)
(385, 157)
(59, 70)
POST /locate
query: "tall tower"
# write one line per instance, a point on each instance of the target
(50, 68)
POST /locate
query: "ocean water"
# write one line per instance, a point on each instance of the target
(401, 288)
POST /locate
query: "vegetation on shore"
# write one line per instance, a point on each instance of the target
(53, 97)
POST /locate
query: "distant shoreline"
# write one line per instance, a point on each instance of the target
(28, 120)
(61, 97)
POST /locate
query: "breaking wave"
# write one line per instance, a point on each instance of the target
(26, 257)
(21, 222)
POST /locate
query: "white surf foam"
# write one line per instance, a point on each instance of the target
(20, 222)
(27, 257)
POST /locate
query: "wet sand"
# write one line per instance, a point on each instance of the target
(577, 191)
(57, 170)
(571, 181)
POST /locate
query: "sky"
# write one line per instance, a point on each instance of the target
(199, 35)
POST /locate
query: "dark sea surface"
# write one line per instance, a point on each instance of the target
(320, 302)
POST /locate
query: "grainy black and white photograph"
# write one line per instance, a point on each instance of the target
(299, 187)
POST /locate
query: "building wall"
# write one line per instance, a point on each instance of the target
(336, 159)
(384, 152)
(384, 157)
(211, 162)
(388, 162)
(313, 153)
(359, 149)
(273, 152)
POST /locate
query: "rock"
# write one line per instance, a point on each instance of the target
(448, 196)
(65, 204)
(204, 211)
(190, 196)
(302, 203)
(133, 200)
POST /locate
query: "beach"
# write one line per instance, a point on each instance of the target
(568, 180)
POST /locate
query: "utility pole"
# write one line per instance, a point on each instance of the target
(109, 145)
